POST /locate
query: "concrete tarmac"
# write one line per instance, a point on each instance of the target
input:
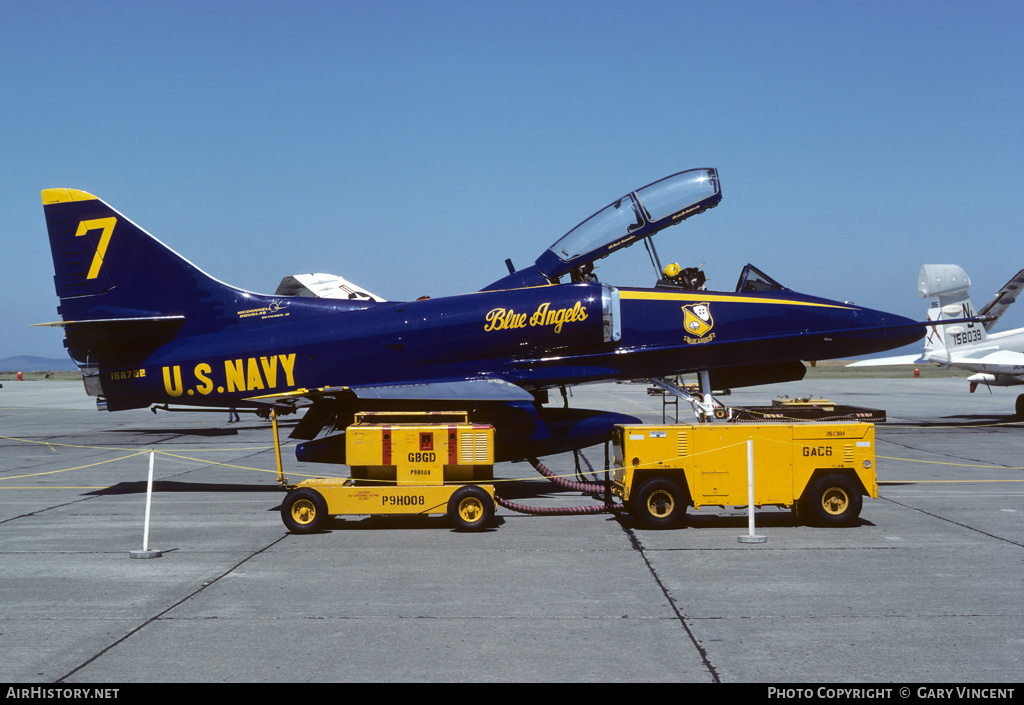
(927, 588)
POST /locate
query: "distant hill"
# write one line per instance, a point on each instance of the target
(32, 363)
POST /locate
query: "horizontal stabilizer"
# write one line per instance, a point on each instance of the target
(121, 342)
(112, 321)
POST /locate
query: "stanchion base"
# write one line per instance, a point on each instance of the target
(753, 539)
(145, 554)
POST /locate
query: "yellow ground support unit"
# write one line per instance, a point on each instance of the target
(821, 470)
(804, 403)
(404, 463)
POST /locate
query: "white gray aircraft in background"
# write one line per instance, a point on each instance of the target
(997, 359)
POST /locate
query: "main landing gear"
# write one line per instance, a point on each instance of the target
(704, 405)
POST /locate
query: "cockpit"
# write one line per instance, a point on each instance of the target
(635, 217)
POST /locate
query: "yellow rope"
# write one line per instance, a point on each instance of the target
(652, 464)
(80, 467)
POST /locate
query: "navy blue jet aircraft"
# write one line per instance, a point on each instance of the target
(147, 327)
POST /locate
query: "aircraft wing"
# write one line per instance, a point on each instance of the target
(991, 361)
(897, 360)
(1002, 300)
(481, 389)
(996, 362)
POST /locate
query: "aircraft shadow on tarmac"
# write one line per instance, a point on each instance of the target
(530, 489)
(957, 421)
(208, 432)
(139, 487)
(762, 520)
(394, 522)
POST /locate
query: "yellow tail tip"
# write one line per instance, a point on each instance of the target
(65, 195)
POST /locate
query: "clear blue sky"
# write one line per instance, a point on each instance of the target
(411, 146)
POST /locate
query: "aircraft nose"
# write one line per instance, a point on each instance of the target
(894, 330)
(868, 331)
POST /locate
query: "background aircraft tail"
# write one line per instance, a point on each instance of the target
(947, 288)
(122, 292)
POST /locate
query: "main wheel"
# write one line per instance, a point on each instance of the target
(831, 500)
(304, 511)
(470, 508)
(659, 503)
(1019, 408)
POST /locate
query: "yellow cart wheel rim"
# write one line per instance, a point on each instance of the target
(471, 509)
(660, 503)
(835, 501)
(303, 511)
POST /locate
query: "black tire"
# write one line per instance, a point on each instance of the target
(304, 511)
(471, 508)
(659, 503)
(1019, 408)
(831, 500)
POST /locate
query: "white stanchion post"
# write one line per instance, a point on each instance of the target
(751, 537)
(145, 552)
(708, 402)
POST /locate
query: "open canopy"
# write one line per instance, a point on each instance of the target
(624, 222)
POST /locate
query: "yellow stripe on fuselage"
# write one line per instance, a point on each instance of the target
(702, 296)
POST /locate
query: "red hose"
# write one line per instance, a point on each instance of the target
(555, 511)
(584, 487)
(590, 488)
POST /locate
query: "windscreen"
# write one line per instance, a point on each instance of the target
(753, 279)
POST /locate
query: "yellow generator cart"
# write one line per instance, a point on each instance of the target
(402, 464)
(820, 470)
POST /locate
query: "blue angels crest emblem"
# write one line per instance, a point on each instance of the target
(697, 321)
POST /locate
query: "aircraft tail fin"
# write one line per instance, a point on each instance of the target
(1003, 299)
(122, 292)
(947, 287)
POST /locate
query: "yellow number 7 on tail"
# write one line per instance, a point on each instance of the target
(101, 249)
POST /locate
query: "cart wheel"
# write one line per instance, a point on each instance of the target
(304, 511)
(831, 500)
(470, 508)
(659, 503)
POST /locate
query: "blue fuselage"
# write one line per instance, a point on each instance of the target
(536, 338)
